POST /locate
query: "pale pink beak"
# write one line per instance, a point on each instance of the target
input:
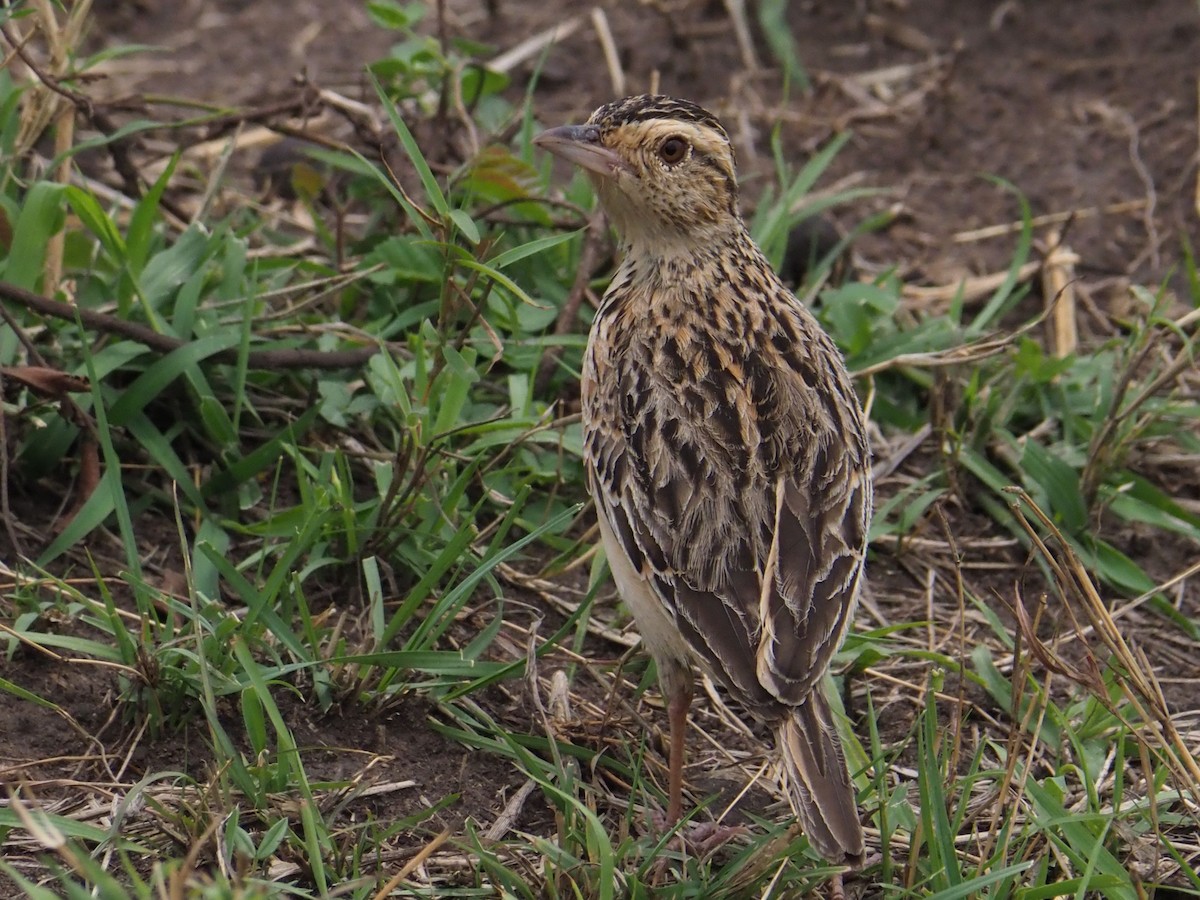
(580, 144)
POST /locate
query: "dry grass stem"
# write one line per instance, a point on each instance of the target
(1058, 275)
(1157, 732)
(970, 289)
(534, 45)
(1058, 218)
(608, 46)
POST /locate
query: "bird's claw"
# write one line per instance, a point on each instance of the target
(697, 838)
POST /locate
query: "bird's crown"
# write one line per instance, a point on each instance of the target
(647, 107)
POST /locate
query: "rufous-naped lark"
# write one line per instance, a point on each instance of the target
(726, 451)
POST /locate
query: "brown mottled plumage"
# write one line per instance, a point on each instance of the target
(726, 450)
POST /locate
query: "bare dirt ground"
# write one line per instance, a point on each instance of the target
(1085, 107)
(1088, 107)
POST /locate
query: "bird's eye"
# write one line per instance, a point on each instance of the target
(672, 150)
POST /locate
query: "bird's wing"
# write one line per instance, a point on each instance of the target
(810, 582)
(744, 507)
(719, 633)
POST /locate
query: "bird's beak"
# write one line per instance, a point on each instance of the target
(581, 145)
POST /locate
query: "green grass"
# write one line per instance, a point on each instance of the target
(272, 540)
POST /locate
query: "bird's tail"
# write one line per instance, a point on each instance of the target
(821, 791)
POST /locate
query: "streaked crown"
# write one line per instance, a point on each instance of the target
(645, 107)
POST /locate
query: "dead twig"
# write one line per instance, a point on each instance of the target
(534, 45)
(954, 356)
(291, 358)
(305, 103)
(741, 30)
(10, 526)
(616, 74)
(1058, 218)
(1058, 277)
(971, 289)
(58, 385)
(1124, 122)
(595, 240)
(511, 813)
(424, 854)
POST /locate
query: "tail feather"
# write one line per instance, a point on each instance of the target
(821, 791)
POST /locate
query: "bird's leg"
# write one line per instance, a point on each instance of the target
(678, 683)
(700, 838)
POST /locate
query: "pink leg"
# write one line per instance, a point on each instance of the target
(679, 701)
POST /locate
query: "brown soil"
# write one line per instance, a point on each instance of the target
(1080, 104)
(1080, 107)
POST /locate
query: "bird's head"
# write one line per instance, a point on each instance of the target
(663, 168)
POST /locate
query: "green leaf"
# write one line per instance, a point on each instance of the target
(254, 720)
(772, 16)
(465, 224)
(1008, 290)
(89, 211)
(1060, 484)
(166, 271)
(140, 234)
(1113, 566)
(935, 809)
(1140, 501)
(94, 511)
(271, 840)
(1072, 834)
(162, 452)
(491, 272)
(397, 16)
(532, 248)
(433, 191)
(434, 662)
(973, 887)
(22, 694)
(246, 468)
(67, 827)
(477, 82)
(152, 382)
(41, 217)
(406, 260)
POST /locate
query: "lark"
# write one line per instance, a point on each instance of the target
(725, 448)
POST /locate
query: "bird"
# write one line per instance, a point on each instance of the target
(725, 448)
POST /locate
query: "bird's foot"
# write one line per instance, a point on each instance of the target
(697, 838)
(706, 838)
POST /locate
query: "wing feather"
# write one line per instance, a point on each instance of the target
(752, 545)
